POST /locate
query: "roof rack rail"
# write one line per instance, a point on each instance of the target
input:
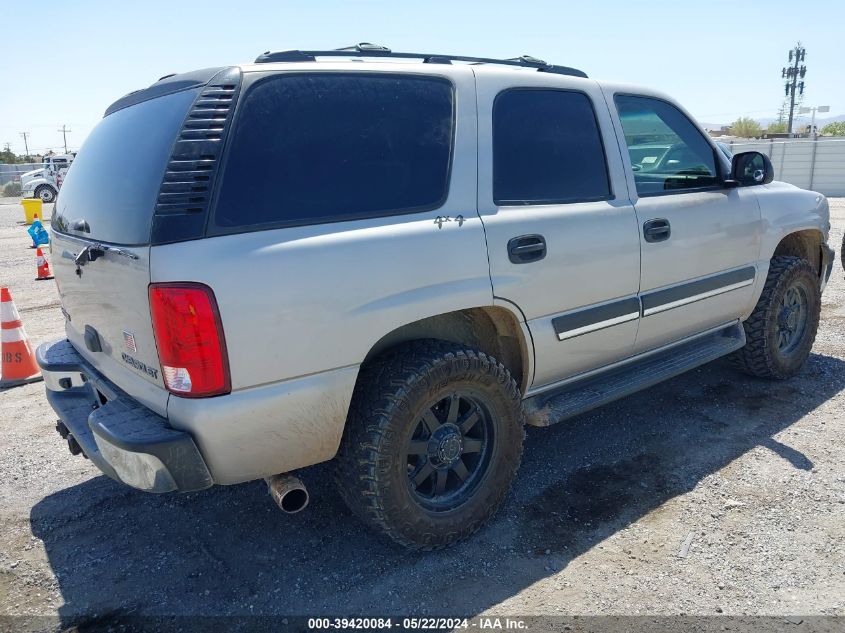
(365, 49)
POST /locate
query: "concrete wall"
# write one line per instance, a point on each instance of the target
(9, 173)
(818, 165)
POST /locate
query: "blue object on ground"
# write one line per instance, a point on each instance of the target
(38, 233)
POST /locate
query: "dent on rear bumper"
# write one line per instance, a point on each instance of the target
(263, 431)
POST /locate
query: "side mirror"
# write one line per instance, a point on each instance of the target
(750, 168)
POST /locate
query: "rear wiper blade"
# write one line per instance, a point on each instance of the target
(117, 251)
(93, 252)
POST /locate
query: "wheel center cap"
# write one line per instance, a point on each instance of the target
(449, 449)
(446, 445)
(788, 318)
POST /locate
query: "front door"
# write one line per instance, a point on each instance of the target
(700, 240)
(562, 235)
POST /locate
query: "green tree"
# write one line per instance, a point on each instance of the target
(777, 128)
(834, 129)
(746, 127)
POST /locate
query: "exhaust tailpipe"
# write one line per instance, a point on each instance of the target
(289, 493)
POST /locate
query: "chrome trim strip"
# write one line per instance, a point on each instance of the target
(596, 317)
(698, 297)
(598, 326)
(688, 291)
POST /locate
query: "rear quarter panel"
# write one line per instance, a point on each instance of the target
(301, 307)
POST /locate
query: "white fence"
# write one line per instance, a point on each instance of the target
(810, 164)
(10, 172)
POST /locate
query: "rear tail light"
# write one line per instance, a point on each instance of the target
(189, 336)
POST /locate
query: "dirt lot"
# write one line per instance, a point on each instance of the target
(711, 493)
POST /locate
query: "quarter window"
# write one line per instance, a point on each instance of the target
(668, 153)
(547, 148)
(310, 148)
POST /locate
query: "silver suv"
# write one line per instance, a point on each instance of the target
(395, 261)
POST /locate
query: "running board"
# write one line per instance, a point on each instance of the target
(590, 392)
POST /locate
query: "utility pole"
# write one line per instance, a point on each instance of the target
(64, 132)
(791, 73)
(25, 144)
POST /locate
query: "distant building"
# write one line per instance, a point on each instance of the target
(725, 130)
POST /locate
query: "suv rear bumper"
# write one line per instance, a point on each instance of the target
(124, 439)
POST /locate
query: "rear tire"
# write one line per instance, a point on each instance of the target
(781, 330)
(432, 443)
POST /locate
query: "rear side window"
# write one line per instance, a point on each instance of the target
(310, 148)
(111, 187)
(547, 148)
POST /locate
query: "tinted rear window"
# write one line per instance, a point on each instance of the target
(547, 148)
(113, 184)
(309, 148)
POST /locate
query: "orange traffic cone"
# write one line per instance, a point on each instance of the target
(18, 366)
(43, 266)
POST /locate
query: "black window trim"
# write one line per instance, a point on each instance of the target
(535, 203)
(250, 82)
(672, 192)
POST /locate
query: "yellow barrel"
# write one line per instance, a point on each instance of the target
(32, 208)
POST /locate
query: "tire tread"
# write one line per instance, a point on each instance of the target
(381, 389)
(757, 357)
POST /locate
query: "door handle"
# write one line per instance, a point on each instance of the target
(526, 249)
(657, 230)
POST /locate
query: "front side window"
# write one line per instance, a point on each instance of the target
(311, 148)
(547, 148)
(668, 153)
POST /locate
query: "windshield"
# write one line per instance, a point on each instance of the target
(111, 188)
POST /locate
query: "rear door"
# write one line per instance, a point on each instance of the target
(561, 233)
(106, 204)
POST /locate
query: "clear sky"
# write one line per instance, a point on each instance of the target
(65, 61)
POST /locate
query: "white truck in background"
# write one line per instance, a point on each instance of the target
(46, 181)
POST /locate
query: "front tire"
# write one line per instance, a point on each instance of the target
(781, 330)
(432, 443)
(46, 193)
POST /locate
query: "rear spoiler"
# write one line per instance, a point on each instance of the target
(165, 86)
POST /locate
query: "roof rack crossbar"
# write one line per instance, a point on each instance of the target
(366, 49)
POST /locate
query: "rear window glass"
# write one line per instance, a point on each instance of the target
(309, 148)
(112, 185)
(547, 148)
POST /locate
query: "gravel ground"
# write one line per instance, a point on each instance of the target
(713, 493)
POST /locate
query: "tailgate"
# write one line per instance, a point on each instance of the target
(106, 204)
(107, 315)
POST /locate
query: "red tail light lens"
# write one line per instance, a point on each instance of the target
(189, 336)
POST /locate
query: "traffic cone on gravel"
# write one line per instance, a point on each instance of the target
(43, 266)
(18, 362)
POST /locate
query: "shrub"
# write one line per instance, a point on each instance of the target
(746, 128)
(12, 189)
